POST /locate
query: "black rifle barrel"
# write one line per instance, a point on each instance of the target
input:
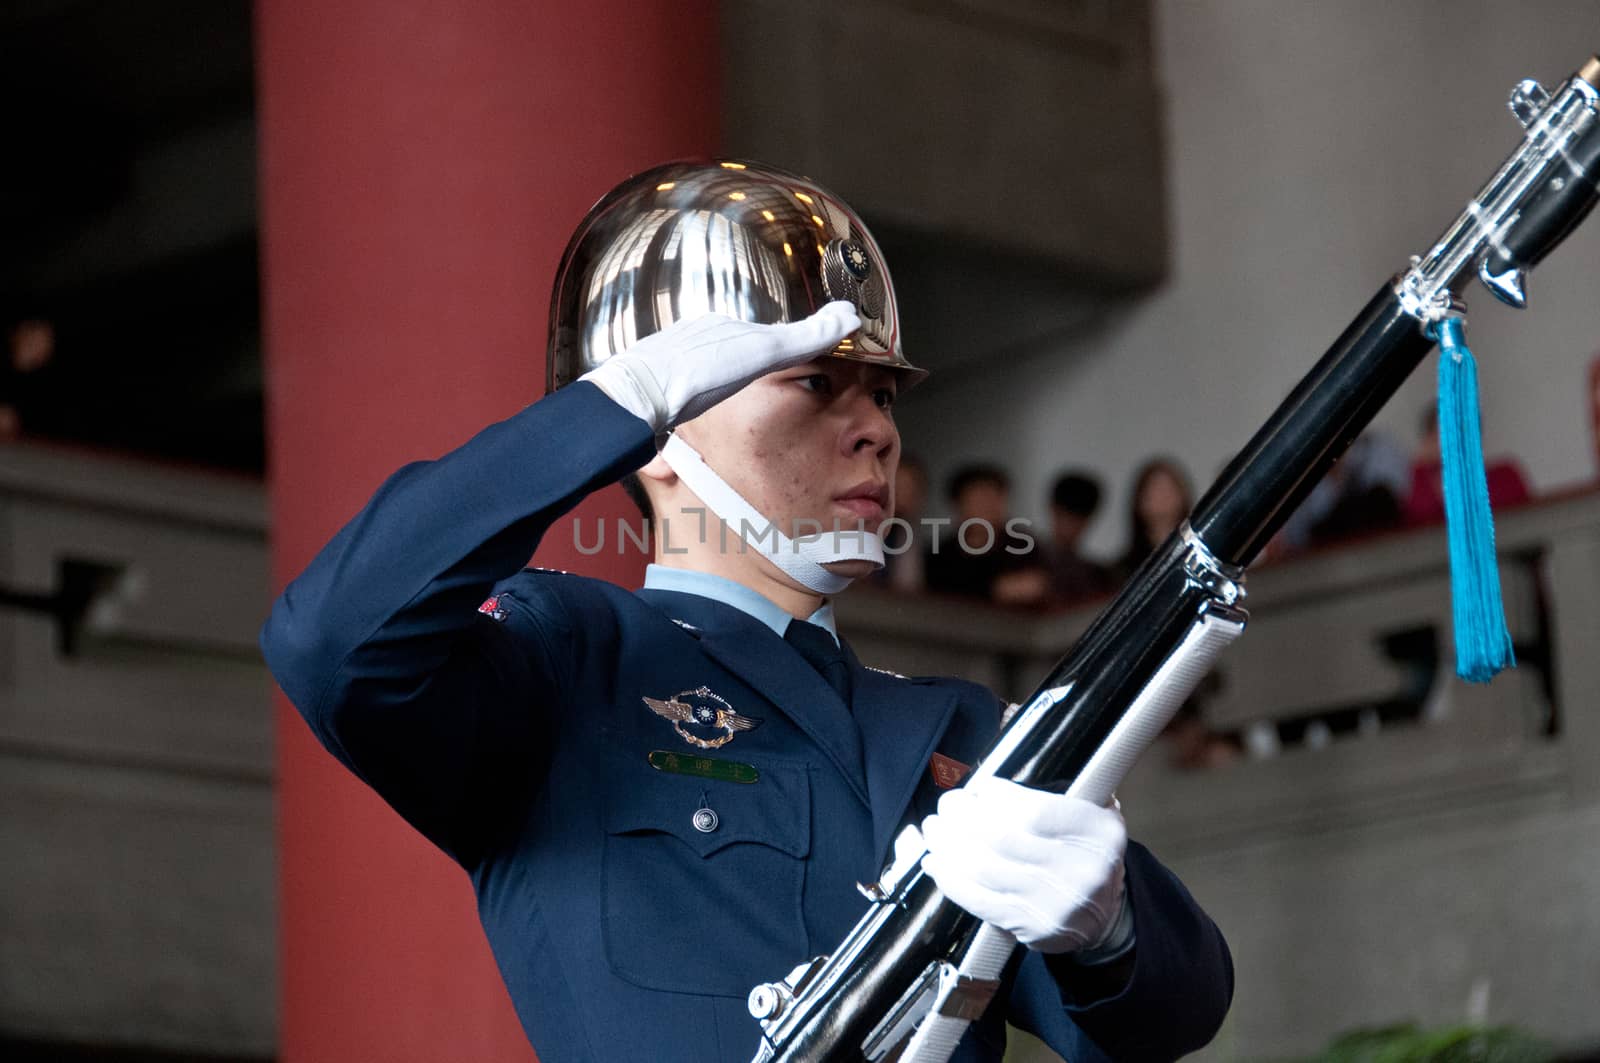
(1308, 432)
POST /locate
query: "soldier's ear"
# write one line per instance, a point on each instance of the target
(657, 471)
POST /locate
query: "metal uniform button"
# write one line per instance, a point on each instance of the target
(705, 821)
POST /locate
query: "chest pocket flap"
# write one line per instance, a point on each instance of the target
(775, 810)
(702, 877)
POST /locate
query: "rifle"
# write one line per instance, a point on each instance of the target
(916, 969)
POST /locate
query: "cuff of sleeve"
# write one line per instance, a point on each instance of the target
(632, 387)
(1092, 977)
(1116, 943)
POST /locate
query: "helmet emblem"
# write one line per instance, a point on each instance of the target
(855, 259)
(847, 274)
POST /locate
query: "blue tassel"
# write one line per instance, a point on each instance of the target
(1483, 644)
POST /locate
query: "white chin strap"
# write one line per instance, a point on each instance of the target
(801, 559)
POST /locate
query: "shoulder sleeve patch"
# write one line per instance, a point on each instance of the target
(494, 607)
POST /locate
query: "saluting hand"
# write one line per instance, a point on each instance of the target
(1046, 867)
(688, 367)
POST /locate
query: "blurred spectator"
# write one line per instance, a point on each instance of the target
(1361, 494)
(971, 555)
(1027, 583)
(1160, 501)
(1425, 503)
(1058, 574)
(907, 571)
(30, 349)
(1073, 503)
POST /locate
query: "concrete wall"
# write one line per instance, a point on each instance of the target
(1312, 147)
(137, 899)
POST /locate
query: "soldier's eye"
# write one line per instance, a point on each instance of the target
(821, 383)
(884, 397)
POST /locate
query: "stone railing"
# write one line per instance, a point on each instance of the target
(1392, 843)
(138, 882)
(1431, 844)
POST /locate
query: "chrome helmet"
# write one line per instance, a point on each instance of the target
(738, 238)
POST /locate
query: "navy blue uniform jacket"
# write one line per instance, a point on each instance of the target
(519, 746)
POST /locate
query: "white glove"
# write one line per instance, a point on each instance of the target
(688, 367)
(1046, 867)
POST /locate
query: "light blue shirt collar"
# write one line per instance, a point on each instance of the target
(742, 598)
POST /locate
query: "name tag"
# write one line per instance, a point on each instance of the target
(703, 767)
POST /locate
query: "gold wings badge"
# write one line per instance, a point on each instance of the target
(701, 709)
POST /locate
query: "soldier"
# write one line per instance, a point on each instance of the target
(664, 797)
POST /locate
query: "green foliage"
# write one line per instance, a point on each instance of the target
(1456, 1044)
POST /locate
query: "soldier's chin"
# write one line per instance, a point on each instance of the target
(853, 569)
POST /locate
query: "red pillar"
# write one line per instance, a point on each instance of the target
(422, 165)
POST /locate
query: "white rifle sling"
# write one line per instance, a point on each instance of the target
(963, 992)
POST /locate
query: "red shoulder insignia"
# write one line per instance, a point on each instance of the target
(947, 771)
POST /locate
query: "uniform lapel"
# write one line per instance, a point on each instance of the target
(753, 652)
(901, 722)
